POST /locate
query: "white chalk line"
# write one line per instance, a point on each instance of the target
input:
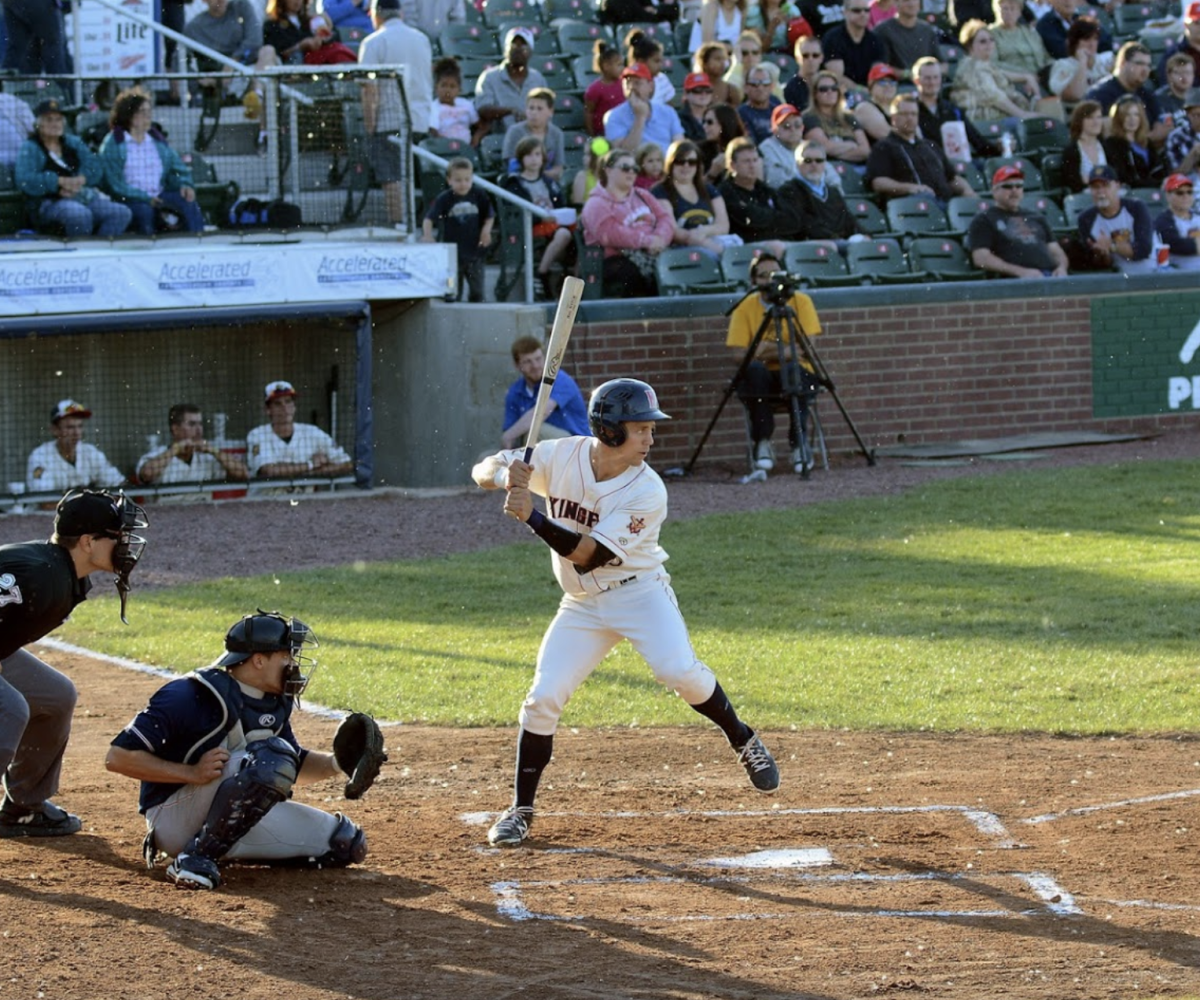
(1104, 806)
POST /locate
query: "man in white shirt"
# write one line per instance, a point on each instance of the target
(284, 449)
(189, 458)
(58, 465)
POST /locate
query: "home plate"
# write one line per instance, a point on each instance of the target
(799, 857)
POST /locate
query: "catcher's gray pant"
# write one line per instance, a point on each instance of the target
(586, 628)
(36, 705)
(289, 830)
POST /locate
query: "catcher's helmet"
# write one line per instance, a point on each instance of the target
(618, 401)
(271, 632)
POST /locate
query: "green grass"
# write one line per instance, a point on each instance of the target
(1061, 601)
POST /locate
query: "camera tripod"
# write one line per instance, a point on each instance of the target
(794, 385)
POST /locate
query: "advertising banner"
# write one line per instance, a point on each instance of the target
(112, 45)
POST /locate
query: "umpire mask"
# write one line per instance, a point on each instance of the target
(113, 515)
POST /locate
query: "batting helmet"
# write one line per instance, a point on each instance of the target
(619, 401)
(271, 632)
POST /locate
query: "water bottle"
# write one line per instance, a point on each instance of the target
(1162, 255)
(1006, 145)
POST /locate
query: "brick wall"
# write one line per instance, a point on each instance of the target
(913, 372)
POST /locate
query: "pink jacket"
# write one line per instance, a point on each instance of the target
(625, 225)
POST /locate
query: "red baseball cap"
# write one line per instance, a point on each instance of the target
(881, 71)
(278, 390)
(1176, 181)
(1193, 12)
(782, 112)
(1007, 173)
(694, 81)
(640, 70)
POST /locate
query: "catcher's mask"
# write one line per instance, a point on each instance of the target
(112, 515)
(271, 632)
(620, 401)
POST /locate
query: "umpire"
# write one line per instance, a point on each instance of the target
(40, 583)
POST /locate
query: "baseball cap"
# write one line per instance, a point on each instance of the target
(68, 408)
(387, 4)
(87, 512)
(640, 70)
(881, 71)
(694, 81)
(1176, 181)
(1102, 175)
(1193, 12)
(277, 390)
(50, 106)
(1007, 173)
(519, 32)
(782, 112)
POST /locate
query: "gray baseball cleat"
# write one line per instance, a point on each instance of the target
(512, 827)
(759, 765)
(194, 871)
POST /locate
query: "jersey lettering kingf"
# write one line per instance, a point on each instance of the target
(572, 510)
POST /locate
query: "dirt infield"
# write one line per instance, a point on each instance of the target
(954, 866)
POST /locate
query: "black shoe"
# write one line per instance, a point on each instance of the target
(759, 764)
(44, 820)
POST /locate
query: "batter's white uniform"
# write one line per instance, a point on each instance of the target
(631, 598)
(203, 468)
(48, 471)
(265, 447)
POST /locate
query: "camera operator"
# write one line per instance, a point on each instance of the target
(762, 379)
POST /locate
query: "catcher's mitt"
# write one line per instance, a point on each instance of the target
(358, 749)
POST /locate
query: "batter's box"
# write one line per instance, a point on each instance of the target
(782, 895)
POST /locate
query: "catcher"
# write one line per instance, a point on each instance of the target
(217, 760)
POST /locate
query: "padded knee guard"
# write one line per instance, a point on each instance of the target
(268, 773)
(347, 846)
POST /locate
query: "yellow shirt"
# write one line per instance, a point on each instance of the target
(748, 317)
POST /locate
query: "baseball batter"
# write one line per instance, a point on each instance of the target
(604, 509)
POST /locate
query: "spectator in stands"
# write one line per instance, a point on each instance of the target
(827, 121)
(1180, 75)
(393, 43)
(452, 115)
(697, 99)
(1084, 65)
(905, 163)
(1183, 143)
(631, 225)
(172, 14)
(817, 203)
(937, 111)
(566, 411)
(712, 59)
(1054, 25)
(1179, 226)
(1188, 43)
(982, 88)
(722, 124)
(761, 380)
(1009, 240)
(906, 38)
(823, 17)
(650, 160)
(60, 177)
(68, 461)
(144, 172)
(643, 49)
(1115, 231)
(189, 458)
(1129, 76)
(234, 29)
(36, 41)
(431, 16)
(607, 92)
(756, 213)
(586, 179)
(1019, 48)
(533, 183)
(1127, 147)
(285, 449)
(696, 206)
(462, 215)
(759, 105)
(851, 48)
(872, 113)
(769, 21)
(719, 21)
(298, 37)
(1085, 151)
(641, 119)
(748, 55)
(779, 151)
(797, 91)
(500, 92)
(16, 125)
(349, 17)
(539, 109)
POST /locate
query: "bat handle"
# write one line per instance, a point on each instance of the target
(528, 454)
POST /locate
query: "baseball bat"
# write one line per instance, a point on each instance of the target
(560, 333)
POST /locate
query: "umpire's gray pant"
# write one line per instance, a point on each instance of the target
(36, 705)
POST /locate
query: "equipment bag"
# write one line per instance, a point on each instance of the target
(254, 212)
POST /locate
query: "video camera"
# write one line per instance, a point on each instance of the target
(782, 287)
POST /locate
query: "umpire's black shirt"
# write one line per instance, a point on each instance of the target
(38, 590)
